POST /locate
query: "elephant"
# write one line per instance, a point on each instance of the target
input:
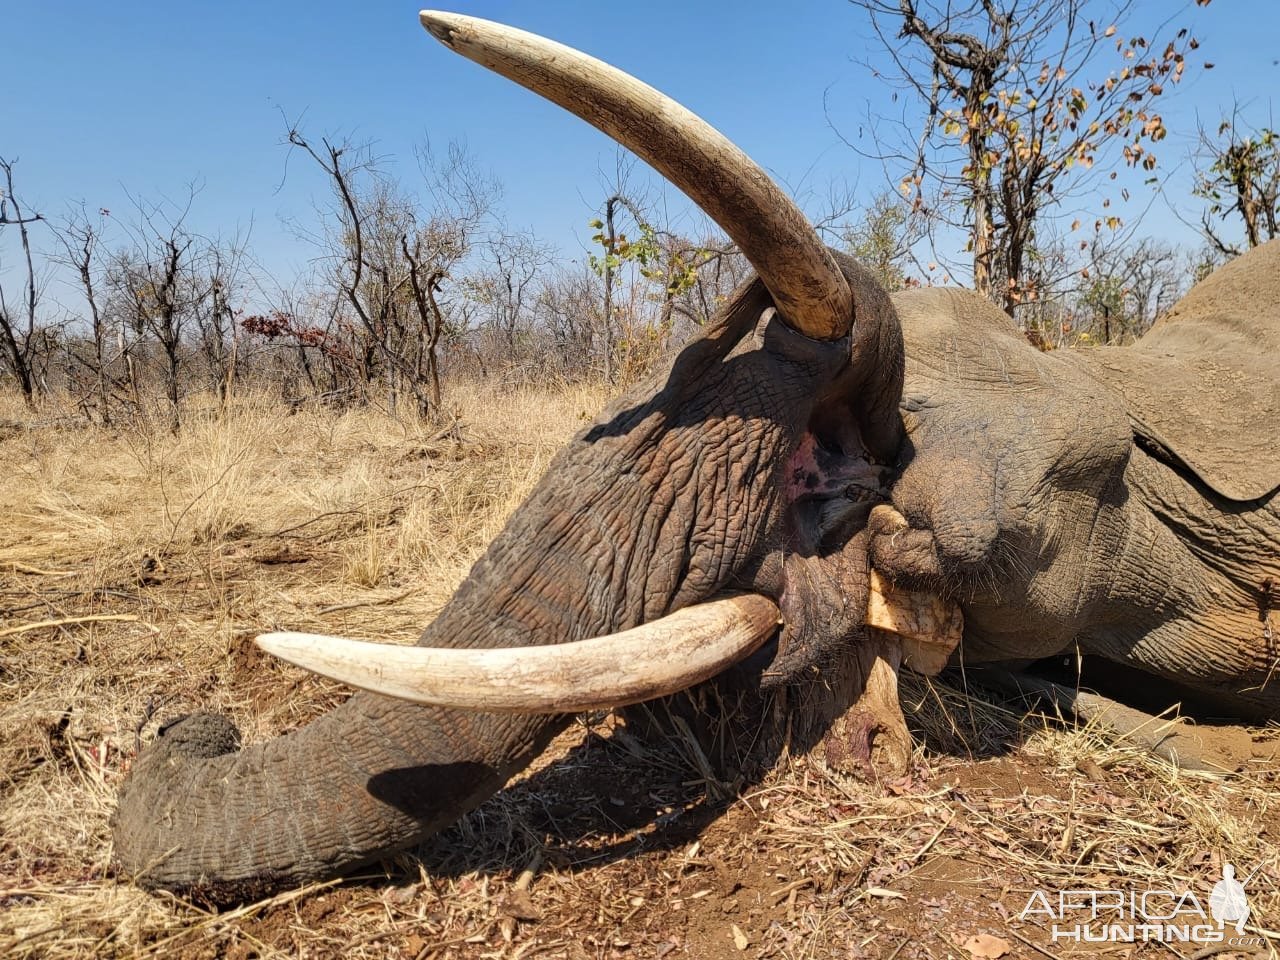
(739, 503)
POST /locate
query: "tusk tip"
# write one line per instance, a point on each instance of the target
(441, 24)
(286, 646)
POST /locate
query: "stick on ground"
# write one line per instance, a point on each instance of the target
(65, 621)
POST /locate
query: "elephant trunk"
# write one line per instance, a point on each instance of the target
(199, 816)
(656, 507)
(377, 774)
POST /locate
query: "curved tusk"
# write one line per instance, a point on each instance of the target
(804, 281)
(653, 660)
(930, 626)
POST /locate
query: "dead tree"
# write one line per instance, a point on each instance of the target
(19, 334)
(80, 238)
(390, 259)
(221, 265)
(162, 286)
(1125, 287)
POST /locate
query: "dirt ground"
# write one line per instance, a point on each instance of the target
(136, 567)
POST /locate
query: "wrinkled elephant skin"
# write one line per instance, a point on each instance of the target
(1119, 501)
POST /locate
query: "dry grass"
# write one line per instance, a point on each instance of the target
(350, 522)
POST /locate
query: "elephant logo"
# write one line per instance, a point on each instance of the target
(1227, 901)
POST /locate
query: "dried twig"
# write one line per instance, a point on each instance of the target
(359, 508)
(1034, 946)
(374, 602)
(66, 621)
(20, 567)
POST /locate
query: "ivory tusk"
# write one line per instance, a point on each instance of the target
(770, 230)
(652, 660)
(929, 626)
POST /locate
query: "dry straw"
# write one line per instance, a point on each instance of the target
(135, 567)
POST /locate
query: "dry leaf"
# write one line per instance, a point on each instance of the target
(739, 938)
(985, 946)
(518, 904)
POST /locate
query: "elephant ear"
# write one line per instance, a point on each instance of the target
(1202, 388)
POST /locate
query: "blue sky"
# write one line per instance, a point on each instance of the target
(145, 97)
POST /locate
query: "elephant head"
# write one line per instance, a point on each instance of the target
(674, 527)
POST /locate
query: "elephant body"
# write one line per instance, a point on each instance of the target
(1117, 501)
(1034, 498)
